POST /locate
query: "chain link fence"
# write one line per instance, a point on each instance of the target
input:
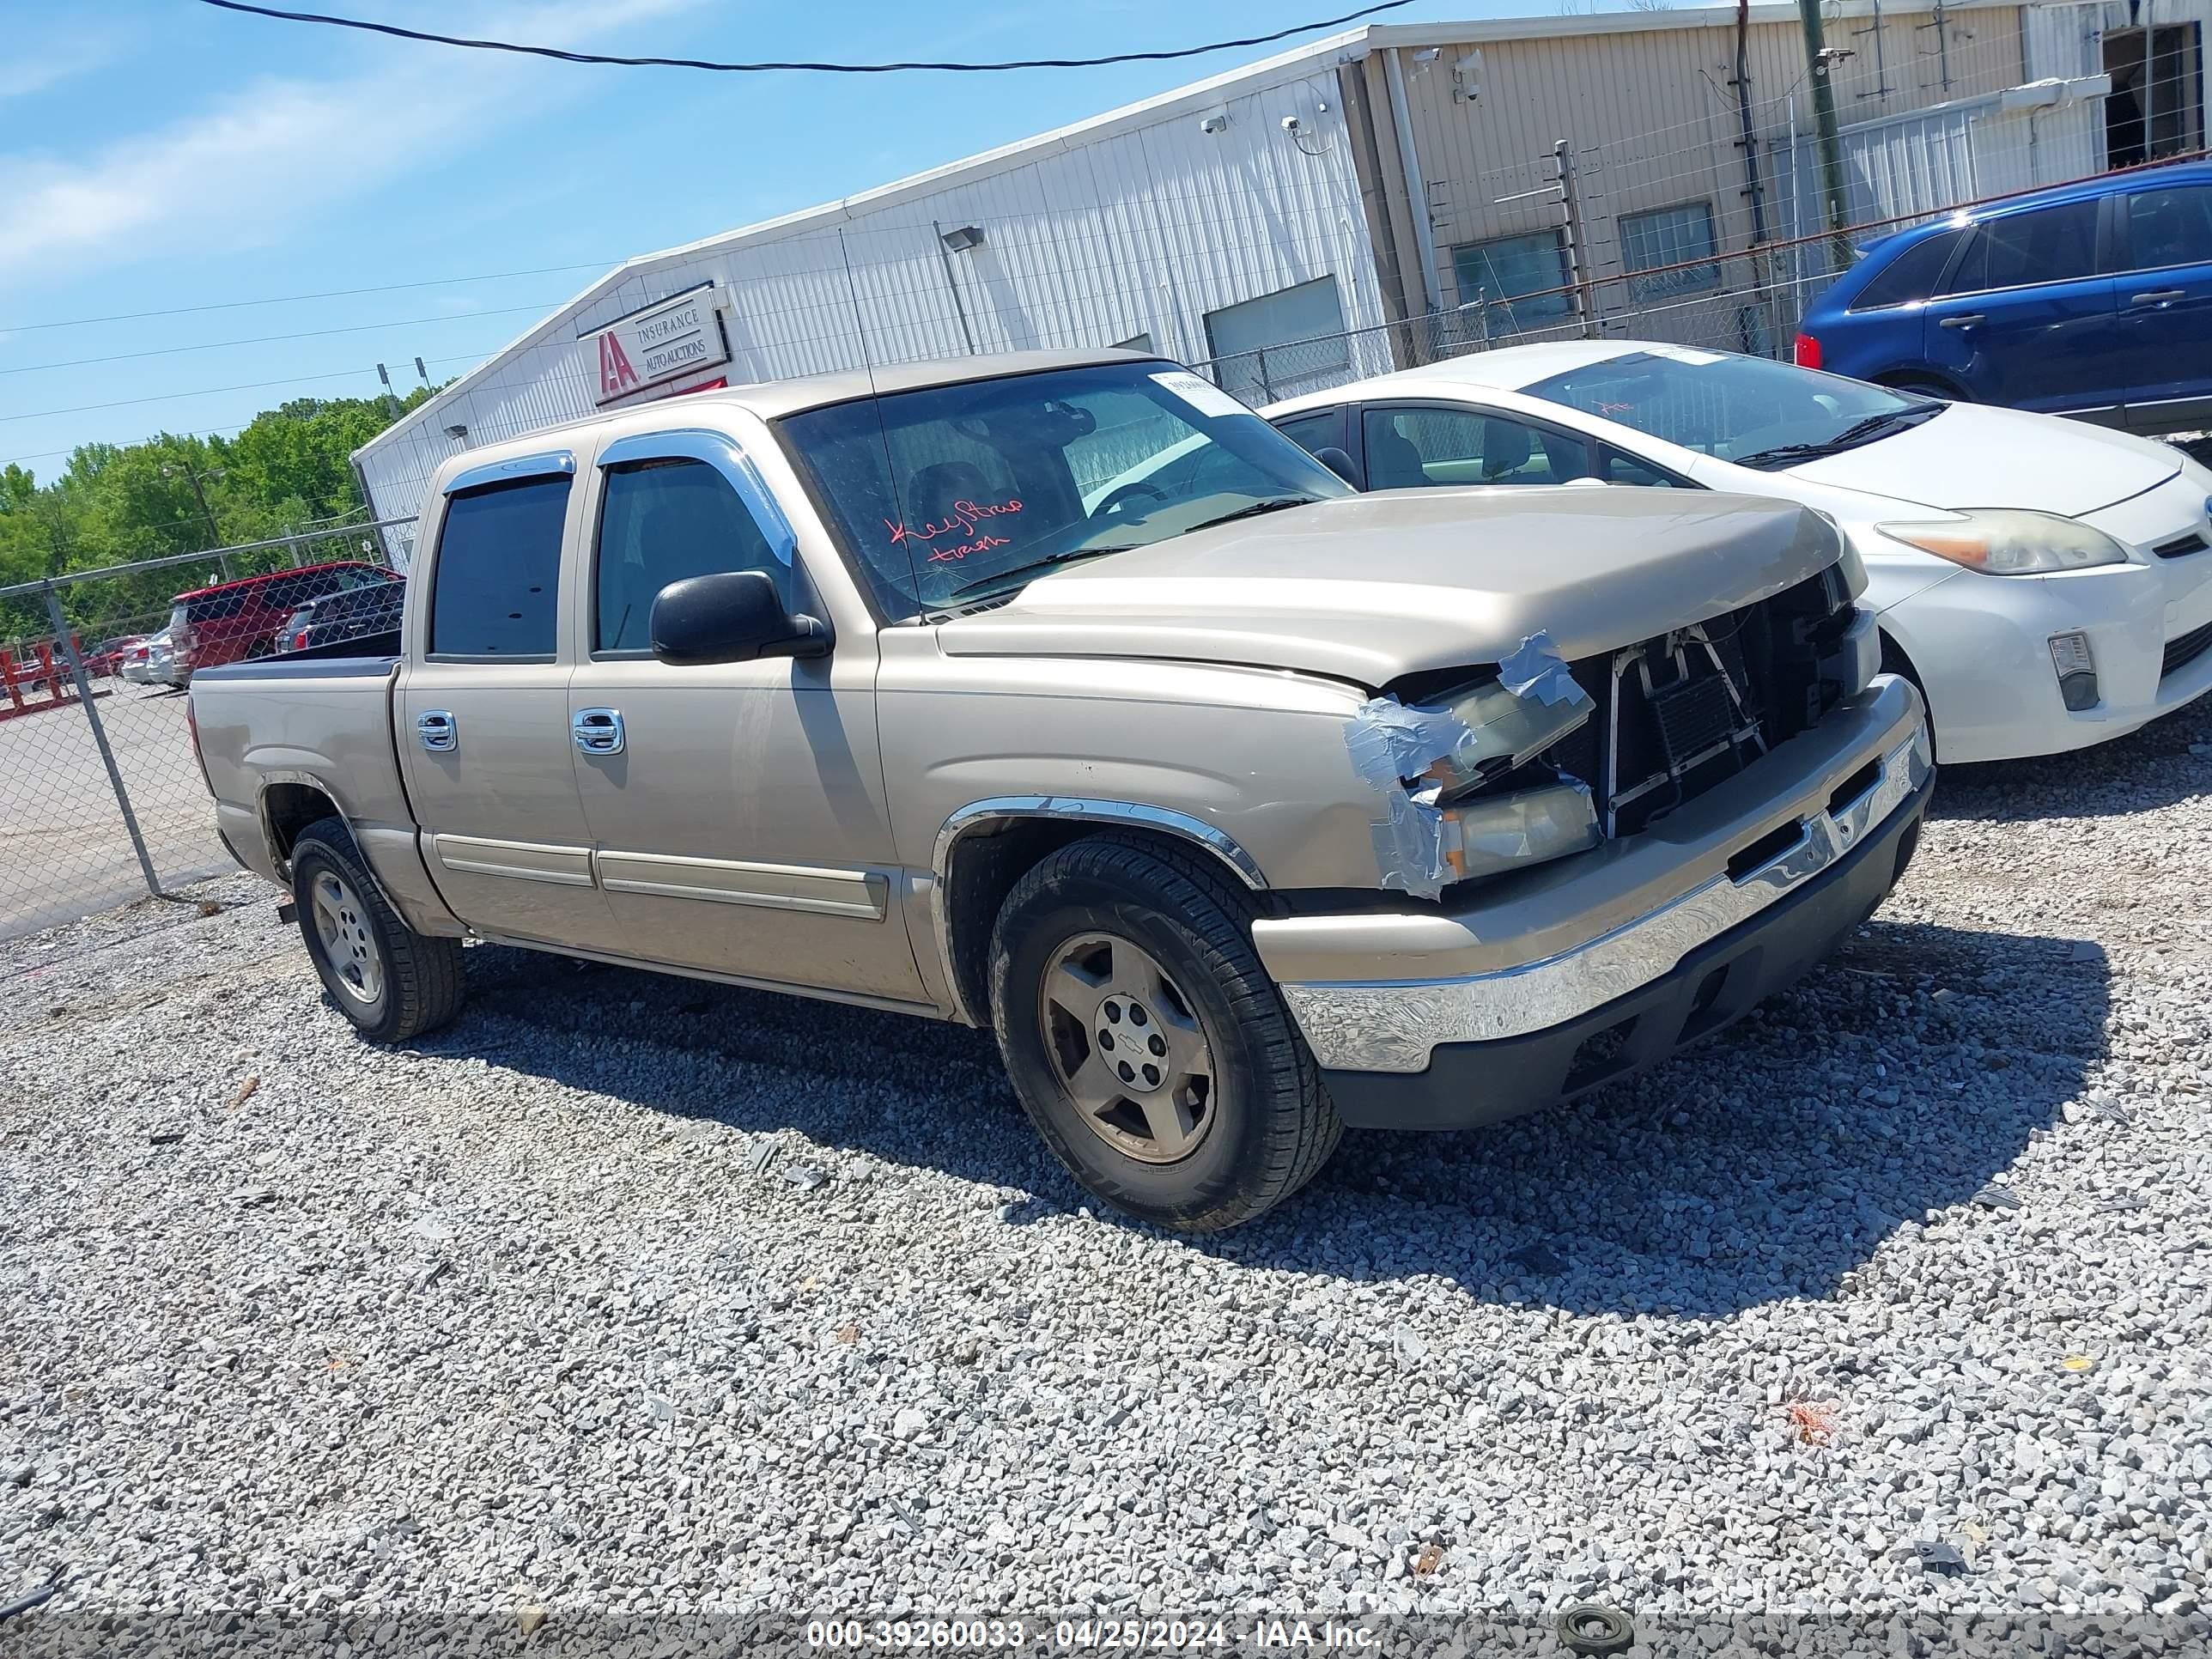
(101, 795)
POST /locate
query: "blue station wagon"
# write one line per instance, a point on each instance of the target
(2092, 300)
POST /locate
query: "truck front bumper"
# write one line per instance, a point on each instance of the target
(1578, 973)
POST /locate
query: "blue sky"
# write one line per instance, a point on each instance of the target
(182, 156)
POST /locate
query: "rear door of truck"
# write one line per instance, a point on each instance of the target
(482, 719)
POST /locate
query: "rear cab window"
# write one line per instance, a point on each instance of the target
(495, 584)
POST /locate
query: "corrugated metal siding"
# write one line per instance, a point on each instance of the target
(2063, 41)
(1142, 231)
(1652, 119)
(1913, 166)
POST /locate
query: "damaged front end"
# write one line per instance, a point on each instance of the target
(1480, 772)
(1465, 793)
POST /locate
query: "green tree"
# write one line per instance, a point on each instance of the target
(289, 469)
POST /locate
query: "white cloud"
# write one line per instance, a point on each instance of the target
(239, 174)
(33, 65)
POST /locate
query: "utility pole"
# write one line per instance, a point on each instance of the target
(1834, 201)
(192, 477)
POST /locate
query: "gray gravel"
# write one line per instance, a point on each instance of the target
(629, 1294)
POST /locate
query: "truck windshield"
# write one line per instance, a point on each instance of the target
(954, 493)
(1745, 409)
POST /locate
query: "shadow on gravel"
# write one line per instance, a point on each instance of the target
(1896, 1082)
(2167, 762)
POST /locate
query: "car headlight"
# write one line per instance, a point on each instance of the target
(2010, 541)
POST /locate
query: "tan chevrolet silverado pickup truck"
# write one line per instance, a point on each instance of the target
(1060, 693)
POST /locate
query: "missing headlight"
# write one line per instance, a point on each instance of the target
(1430, 761)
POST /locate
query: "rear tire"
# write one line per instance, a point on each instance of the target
(391, 981)
(1208, 1110)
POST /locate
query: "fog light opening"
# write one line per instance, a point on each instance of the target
(2077, 668)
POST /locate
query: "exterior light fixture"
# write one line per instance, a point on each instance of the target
(961, 238)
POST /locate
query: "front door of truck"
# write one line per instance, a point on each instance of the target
(483, 712)
(736, 810)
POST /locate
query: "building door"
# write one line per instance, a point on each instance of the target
(2156, 107)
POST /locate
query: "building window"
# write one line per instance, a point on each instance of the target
(1661, 241)
(1520, 282)
(2154, 109)
(1281, 343)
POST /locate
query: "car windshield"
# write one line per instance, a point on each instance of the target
(1746, 409)
(952, 495)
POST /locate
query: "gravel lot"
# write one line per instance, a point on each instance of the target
(630, 1293)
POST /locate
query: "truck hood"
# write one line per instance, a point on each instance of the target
(1973, 456)
(1370, 587)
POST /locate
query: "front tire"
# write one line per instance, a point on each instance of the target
(1147, 1043)
(391, 981)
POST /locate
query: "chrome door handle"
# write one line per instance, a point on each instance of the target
(439, 730)
(598, 730)
(1964, 319)
(2158, 297)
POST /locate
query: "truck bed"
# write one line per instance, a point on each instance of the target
(322, 718)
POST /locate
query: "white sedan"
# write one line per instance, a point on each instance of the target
(2048, 585)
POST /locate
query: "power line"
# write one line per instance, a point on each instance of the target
(268, 339)
(209, 391)
(292, 299)
(565, 56)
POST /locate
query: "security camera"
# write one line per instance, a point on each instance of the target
(1290, 123)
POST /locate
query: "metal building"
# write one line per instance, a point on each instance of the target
(1371, 198)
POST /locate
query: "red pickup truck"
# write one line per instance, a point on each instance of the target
(232, 621)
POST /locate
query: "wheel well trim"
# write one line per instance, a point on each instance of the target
(999, 809)
(1889, 377)
(281, 860)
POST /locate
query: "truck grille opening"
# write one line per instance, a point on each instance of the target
(1678, 713)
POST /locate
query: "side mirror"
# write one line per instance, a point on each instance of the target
(733, 615)
(1339, 463)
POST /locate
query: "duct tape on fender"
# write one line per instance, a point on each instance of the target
(1537, 670)
(1389, 743)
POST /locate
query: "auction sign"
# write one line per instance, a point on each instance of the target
(664, 341)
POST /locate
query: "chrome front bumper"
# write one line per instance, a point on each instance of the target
(1393, 1025)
